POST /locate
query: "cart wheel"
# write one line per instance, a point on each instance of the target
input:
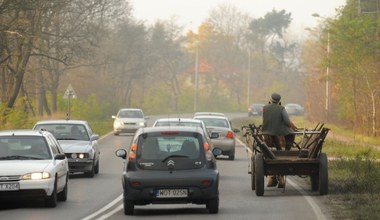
(314, 181)
(253, 172)
(323, 174)
(259, 174)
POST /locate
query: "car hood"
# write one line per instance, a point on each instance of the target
(75, 146)
(21, 167)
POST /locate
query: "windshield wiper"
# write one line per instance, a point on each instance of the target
(174, 155)
(20, 157)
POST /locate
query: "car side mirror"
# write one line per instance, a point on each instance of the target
(216, 151)
(121, 153)
(236, 130)
(113, 116)
(60, 157)
(94, 137)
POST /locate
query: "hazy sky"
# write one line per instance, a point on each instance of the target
(192, 13)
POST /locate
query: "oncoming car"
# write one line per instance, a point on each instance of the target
(128, 120)
(32, 167)
(79, 143)
(170, 165)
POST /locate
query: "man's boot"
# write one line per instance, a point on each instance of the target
(281, 181)
(272, 181)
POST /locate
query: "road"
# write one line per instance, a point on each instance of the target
(100, 197)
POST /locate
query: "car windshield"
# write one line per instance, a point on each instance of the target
(24, 148)
(130, 114)
(215, 122)
(155, 150)
(66, 131)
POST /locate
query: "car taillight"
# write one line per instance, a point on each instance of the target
(206, 182)
(230, 134)
(131, 156)
(132, 153)
(136, 184)
(206, 146)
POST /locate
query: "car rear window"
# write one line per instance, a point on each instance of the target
(215, 122)
(185, 149)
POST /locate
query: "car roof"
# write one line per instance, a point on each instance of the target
(209, 113)
(62, 122)
(178, 119)
(210, 116)
(293, 104)
(23, 132)
(132, 109)
(169, 128)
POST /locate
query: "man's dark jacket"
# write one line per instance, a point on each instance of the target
(275, 120)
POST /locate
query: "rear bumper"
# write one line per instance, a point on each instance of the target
(226, 145)
(197, 193)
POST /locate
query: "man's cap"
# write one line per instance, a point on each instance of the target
(275, 97)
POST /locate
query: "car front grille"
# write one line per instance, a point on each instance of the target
(9, 178)
(129, 123)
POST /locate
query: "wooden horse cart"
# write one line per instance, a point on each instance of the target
(305, 158)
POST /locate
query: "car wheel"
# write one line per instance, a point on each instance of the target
(62, 196)
(51, 201)
(129, 207)
(213, 205)
(92, 172)
(97, 167)
(116, 134)
(231, 156)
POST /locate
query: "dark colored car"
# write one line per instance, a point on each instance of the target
(294, 109)
(170, 165)
(255, 109)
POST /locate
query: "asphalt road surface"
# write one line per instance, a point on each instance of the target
(101, 197)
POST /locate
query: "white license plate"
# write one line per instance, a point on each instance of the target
(171, 193)
(9, 186)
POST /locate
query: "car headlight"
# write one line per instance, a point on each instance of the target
(79, 155)
(142, 123)
(36, 176)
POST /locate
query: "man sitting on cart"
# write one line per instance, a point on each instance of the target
(277, 128)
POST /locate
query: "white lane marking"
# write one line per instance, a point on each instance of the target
(316, 209)
(110, 213)
(108, 206)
